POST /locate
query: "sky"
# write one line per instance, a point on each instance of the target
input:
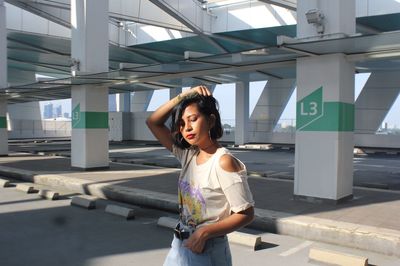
(227, 100)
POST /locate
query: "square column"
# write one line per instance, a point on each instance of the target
(89, 137)
(3, 81)
(174, 92)
(375, 100)
(242, 112)
(325, 106)
(338, 19)
(325, 125)
(272, 102)
(123, 102)
(141, 100)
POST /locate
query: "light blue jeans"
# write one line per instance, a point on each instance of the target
(216, 253)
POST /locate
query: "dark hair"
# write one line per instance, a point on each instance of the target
(207, 106)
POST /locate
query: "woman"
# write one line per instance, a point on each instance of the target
(214, 197)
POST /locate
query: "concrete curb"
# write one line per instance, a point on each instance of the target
(340, 258)
(103, 190)
(369, 238)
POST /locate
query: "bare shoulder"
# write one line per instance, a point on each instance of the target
(230, 163)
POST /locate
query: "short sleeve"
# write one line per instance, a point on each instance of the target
(183, 155)
(236, 189)
(177, 152)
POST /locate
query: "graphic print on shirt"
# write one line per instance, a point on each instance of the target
(193, 203)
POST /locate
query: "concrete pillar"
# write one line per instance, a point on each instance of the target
(338, 18)
(3, 80)
(325, 111)
(3, 127)
(124, 102)
(120, 121)
(25, 111)
(242, 112)
(375, 101)
(141, 100)
(272, 102)
(89, 138)
(25, 120)
(212, 88)
(174, 92)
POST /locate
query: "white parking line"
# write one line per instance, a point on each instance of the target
(379, 166)
(296, 249)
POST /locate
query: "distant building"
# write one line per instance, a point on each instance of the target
(66, 115)
(48, 111)
(112, 103)
(58, 111)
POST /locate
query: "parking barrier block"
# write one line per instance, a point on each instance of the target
(4, 183)
(48, 194)
(84, 201)
(27, 188)
(127, 213)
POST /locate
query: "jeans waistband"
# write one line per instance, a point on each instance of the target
(184, 232)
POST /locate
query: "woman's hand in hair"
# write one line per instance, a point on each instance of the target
(201, 90)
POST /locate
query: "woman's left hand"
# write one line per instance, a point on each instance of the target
(196, 241)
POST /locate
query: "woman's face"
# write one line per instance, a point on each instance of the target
(194, 126)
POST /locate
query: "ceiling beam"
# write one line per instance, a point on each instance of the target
(215, 71)
(288, 4)
(176, 14)
(37, 9)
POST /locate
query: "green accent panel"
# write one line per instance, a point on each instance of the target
(337, 116)
(92, 120)
(266, 36)
(95, 119)
(89, 119)
(387, 22)
(176, 47)
(235, 47)
(179, 46)
(3, 122)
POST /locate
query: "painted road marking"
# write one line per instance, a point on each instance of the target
(296, 249)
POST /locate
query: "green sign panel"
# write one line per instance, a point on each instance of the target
(3, 122)
(313, 114)
(76, 116)
(309, 109)
(89, 119)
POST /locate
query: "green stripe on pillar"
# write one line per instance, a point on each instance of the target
(336, 116)
(3, 122)
(90, 120)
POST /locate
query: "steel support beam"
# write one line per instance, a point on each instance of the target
(288, 4)
(176, 14)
